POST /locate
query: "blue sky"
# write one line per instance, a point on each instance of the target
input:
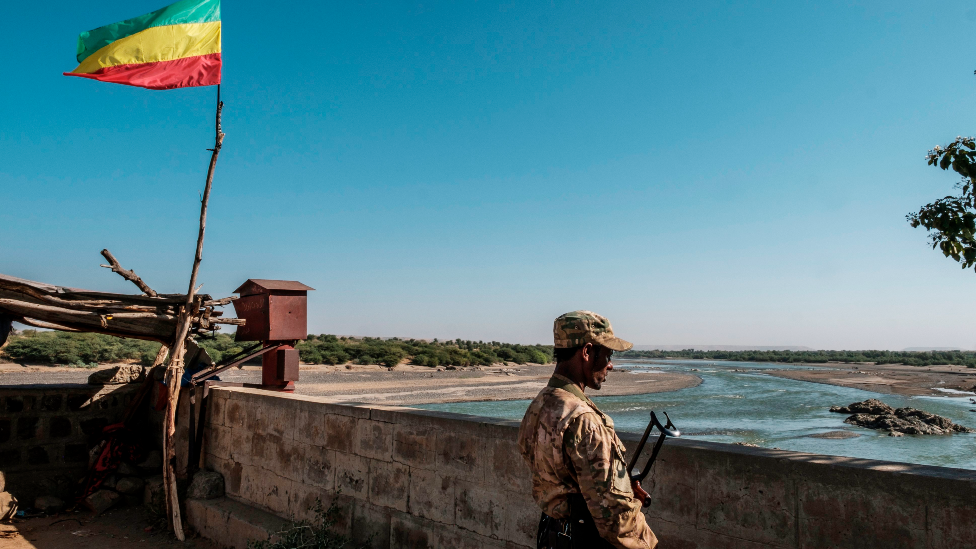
(722, 173)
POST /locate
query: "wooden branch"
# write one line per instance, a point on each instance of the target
(46, 325)
(175, 370)
(174, 375)
(100, 306)
(38, 292)
(111, 316)
(161, 299)
(70, 309)
(219, 302)
(232, 321)
(131, 276)
(174, 378)
(29, 291)
(149, 326)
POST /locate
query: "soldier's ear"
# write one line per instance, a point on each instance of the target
(586, 352)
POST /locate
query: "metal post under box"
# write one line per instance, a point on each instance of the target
(276, 313)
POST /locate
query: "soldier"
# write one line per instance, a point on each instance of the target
(579, 477)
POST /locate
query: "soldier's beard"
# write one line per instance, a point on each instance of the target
(597, 379)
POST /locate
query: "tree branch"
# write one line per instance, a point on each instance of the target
(231, 321)
(131, 276)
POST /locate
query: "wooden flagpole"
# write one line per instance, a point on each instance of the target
(174, 373)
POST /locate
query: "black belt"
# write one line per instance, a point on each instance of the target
(577, 532)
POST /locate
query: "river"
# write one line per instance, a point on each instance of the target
(739, 402)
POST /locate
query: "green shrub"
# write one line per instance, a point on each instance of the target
(75, 349)
(329, 349)
(81, 348)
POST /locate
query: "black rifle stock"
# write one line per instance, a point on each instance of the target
(667, 430)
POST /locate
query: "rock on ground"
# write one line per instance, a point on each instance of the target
(126, 469)
(8, 505)
(870, 406)
(154, 496)
(48, 504)
(128, 373)
(206, 485)
(835, 435)
(130, 485)
(102, 501)
(874, 414)
(110, 482)
(153, 462)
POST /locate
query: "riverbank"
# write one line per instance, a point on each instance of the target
(405, 384)
(408, 385)
(739, 402)
(898, 379)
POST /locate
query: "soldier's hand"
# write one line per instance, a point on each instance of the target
(640, 493)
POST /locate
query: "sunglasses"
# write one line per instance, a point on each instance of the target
(601, 350)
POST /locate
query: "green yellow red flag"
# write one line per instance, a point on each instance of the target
(174, 47)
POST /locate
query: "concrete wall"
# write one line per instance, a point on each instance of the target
(45, 435)
(414, 478)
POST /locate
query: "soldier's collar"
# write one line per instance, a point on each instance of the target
(559, 381)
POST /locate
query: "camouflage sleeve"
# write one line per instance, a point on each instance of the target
(603, 481)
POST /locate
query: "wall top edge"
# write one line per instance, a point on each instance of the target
(717, 447)
(47, 388)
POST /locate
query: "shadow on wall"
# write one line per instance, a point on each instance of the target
(48, 432)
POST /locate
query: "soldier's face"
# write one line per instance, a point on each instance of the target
(598, 364)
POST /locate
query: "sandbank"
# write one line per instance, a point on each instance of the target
(405, 384)
(898, 379)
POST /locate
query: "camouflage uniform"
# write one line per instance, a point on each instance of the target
(571, 446)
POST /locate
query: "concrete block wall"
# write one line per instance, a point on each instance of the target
(407, 478)
(421, 479)
(46, 433)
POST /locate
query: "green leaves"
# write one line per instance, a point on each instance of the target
(327, 349)
(68, 348)
(951, 221)
(945, 162)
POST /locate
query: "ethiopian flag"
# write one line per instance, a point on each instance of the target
(175, 47)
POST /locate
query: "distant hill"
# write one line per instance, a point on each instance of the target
(928, 349)
(722, 348)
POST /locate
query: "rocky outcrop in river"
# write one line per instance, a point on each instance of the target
(874, 414)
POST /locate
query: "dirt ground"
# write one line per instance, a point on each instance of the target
(404, 385)
(891, 378)
(126, 528)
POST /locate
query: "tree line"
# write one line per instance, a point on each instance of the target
(89, 350)
(330, 349)
(911, 358)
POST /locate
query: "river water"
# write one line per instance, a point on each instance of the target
(751, 406)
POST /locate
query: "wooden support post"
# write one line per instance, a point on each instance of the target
(173, 380)
(6, 327)
(174, 374)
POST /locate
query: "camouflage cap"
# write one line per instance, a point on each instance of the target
(580, 327)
